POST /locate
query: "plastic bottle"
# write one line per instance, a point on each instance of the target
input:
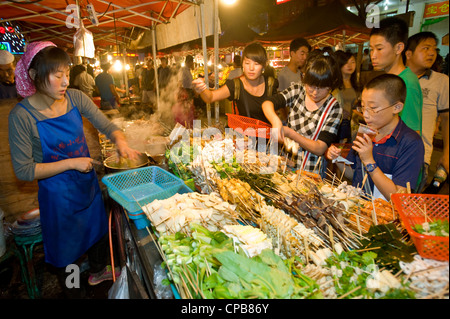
(440, 176)
(438, 181)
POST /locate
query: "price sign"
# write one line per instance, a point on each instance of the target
(435, 9)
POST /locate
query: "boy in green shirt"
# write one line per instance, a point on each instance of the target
(387, 44)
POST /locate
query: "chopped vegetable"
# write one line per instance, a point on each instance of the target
(438, 227)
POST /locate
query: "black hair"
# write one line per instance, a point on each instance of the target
(255, 52)
(74, 72)
(105, 66)
(322, 70)
(298, 43)
(269, 71)
(393, 29)
(237, 60)
(393, 87)
(415, 39)
(189, 59)
(46, 62)
(342, 58)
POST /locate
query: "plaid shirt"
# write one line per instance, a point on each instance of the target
(305, 122)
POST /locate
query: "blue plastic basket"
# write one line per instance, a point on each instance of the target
(135, 188)
(142, 222)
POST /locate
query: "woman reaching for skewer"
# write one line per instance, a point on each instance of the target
(314, 114)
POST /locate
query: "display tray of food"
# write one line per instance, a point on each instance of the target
(255, 229)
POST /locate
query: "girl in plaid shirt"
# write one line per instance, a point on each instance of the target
(314, 114)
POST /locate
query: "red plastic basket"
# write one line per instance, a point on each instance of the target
(249, 126)
(411, 208)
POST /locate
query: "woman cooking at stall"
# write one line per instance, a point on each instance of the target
(248, 91)
(48, 144)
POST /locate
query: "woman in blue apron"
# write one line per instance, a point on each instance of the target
(72, 211)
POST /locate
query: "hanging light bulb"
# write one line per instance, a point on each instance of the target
(229, 2)
(118, 66)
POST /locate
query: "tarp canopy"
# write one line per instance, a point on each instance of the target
(325, 24)
(50, 20)
(233, 35)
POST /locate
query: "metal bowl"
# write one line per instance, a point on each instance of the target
(112, 163)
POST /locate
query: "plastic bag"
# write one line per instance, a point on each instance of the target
(161, 291)
(83, 43)
(119, 289)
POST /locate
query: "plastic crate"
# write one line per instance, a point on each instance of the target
(140, 219)
(135, 188)
(249, 125)
(411, 208)
(142, 222)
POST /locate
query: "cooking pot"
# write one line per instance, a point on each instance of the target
(112, 164)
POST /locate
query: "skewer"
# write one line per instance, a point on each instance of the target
(299, 176)
(424, 212)
(305, 239)
(285, 163)
(319, 161)
(374, 214)
(366, 249)
(330, 234)
(359, 225)
(349, 292)
(364, 180)
(393, 210)
(343, 172)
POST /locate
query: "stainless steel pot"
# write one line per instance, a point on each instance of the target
(112, 164)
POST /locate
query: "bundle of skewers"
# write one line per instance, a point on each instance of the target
(362, 210)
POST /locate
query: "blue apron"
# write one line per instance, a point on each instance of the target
(73, 216)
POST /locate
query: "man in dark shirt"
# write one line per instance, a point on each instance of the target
(163, 74)
(7, 68)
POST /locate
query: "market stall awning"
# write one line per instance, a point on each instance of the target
(323, 25)
(119, 21)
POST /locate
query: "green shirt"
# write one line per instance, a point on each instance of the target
(412, 110)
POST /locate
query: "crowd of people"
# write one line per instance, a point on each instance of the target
(320, 99)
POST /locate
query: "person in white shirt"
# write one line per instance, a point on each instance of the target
(85, 82)
(420, 55)
(293, 71)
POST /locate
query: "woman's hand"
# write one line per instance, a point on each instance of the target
(122, 147)
(82, 164)
(199, 85)
(364, 146)
(125, 151)
(333, 152)
(277, 131)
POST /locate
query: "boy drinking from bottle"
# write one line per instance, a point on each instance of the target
(386, 163)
